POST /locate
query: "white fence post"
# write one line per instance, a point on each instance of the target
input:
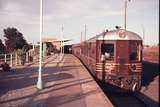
(19, 60)
(5, 58)
(11, 63)
(32, 54)
(33, 47)
(16, 59)
(27, 57)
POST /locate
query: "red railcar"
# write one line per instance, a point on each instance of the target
(113, 56)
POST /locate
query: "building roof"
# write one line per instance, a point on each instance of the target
(49, 39)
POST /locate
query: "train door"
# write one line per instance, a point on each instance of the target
(122, 57)
(106, 56)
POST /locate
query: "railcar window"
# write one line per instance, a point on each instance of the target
(108, 51)
(134, 51)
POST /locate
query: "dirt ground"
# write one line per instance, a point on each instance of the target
(151, 54)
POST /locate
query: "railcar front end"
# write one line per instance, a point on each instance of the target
(119, 59)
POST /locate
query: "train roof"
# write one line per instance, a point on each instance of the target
(119, 34)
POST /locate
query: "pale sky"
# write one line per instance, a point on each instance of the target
(74, 14)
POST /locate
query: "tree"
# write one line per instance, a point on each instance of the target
(2, 47)
(14, 39)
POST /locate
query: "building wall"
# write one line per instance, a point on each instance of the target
(54, 41)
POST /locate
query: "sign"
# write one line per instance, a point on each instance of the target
(122, 33)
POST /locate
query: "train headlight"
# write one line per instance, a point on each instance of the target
(133, 67)
(110, 68)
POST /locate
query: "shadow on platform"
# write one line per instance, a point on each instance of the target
(59, 99)
(25, 77)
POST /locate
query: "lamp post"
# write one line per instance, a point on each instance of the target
(40, 82)
(61, 41)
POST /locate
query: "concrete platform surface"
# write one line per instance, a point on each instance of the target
(150, 84)
(66, 84)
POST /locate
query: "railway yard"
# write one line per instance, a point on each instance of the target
(68, 84)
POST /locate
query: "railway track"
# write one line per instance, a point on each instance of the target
(126, 100)
(122, 99)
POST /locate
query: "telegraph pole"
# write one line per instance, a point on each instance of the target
(40, 84)
(81, 36)
(85, 31)
(125, 16)
(125, 13)
(143, 31)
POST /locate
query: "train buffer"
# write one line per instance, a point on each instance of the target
(66, 84)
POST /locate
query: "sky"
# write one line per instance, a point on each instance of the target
(98, 15)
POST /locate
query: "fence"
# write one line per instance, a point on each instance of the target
(17, 58)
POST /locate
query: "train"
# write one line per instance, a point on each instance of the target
(114, 57)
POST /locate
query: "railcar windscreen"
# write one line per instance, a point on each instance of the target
(108, 51)
(135, 51)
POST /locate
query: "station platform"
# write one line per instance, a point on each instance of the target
(67, 83)
(149, 92)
